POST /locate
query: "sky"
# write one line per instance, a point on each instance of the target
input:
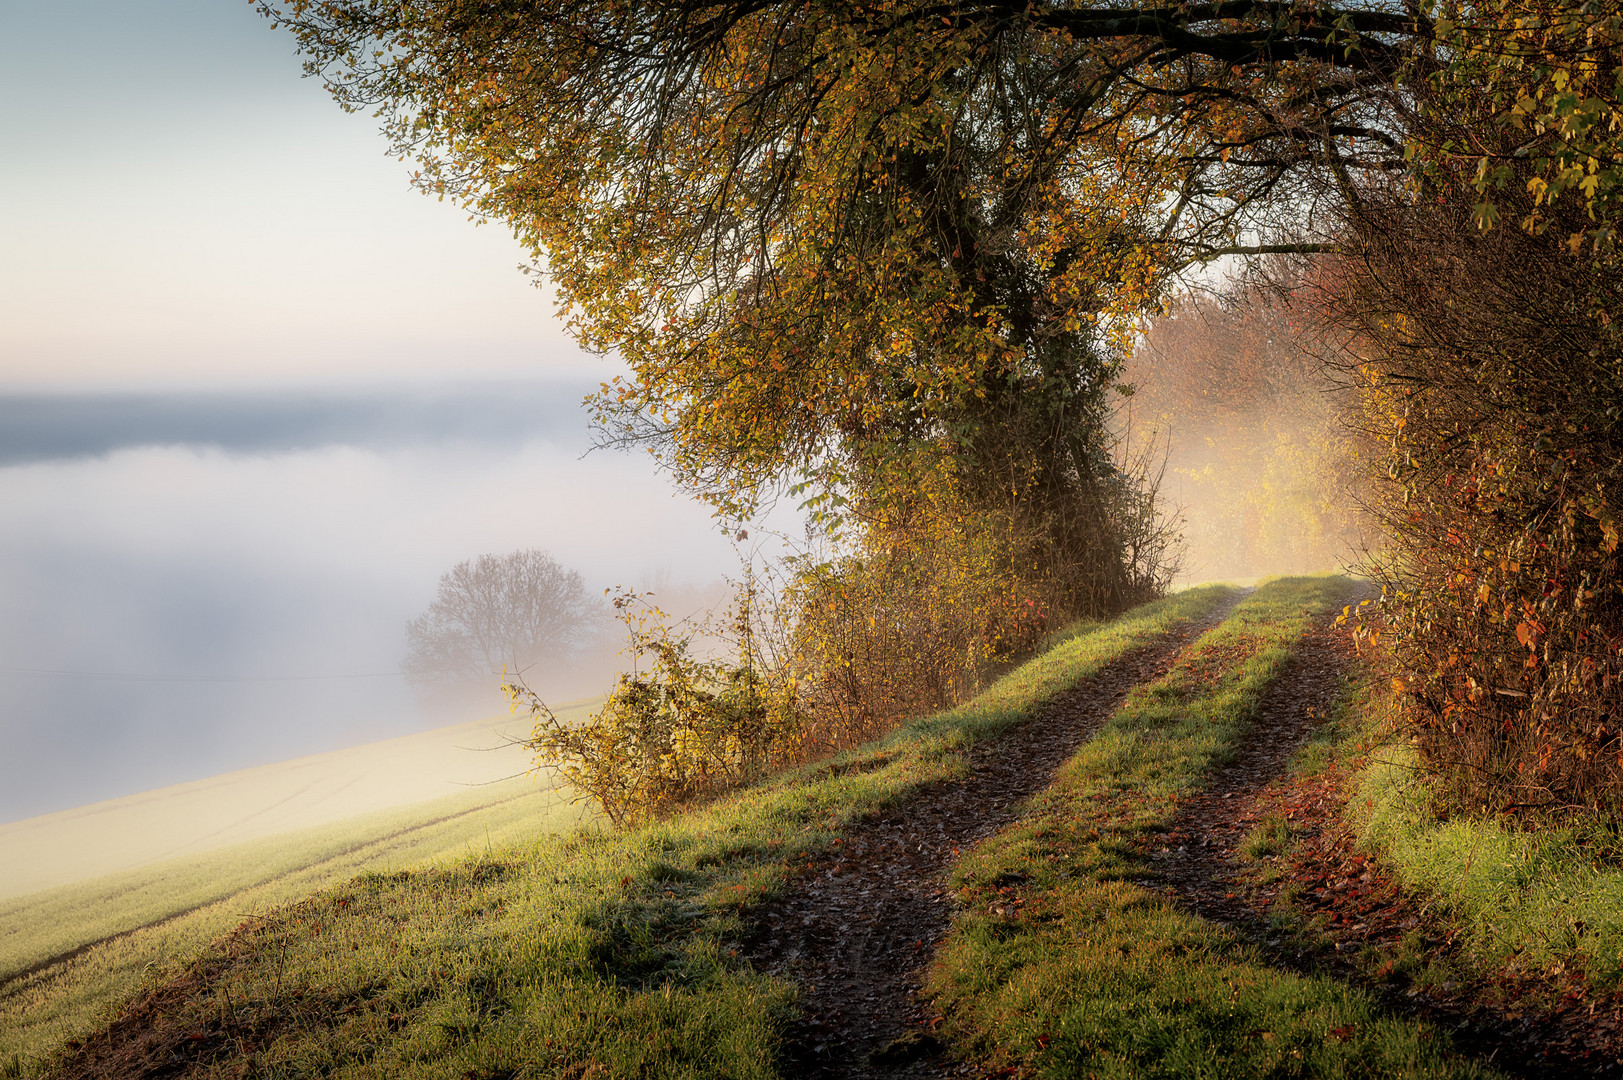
(256, 395)
(179, 206)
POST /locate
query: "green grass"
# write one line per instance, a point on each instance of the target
(1271, 836)
(1068, 961)
(1548, 900)
(600, 955)
(166, 912)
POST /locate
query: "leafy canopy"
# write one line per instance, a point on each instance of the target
(803, 222)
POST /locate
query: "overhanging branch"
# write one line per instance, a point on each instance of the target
(1273, 249)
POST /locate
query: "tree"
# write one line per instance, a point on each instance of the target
(836, 242)
(499, 614)
(809, 227)
(833, 243)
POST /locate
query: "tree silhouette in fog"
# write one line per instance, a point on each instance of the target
(521, 613)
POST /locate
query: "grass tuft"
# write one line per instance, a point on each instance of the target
(1270, 836)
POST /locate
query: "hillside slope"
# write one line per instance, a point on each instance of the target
(1058, 934)
(68, 953)
(267, 800)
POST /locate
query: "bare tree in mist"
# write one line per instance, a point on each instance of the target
(521, 613)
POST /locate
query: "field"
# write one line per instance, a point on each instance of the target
(70, 951)
(268, 800)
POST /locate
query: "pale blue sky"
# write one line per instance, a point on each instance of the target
(179, 206)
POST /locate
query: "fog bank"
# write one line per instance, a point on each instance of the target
(200, 583)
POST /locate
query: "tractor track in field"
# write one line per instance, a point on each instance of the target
(12, 982)
(858, 927)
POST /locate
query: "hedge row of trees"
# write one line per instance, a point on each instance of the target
(849, 247)
(1493, 375)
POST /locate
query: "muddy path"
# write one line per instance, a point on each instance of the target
(857, 929)
(1197, 858)
(1360, 914)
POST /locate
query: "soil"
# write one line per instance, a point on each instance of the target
(859, 927)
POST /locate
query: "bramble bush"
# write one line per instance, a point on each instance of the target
(1499, 393)
(861, 645)
(680, 730)
(907, 623)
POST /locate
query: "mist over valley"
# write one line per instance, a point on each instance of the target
(199, 582)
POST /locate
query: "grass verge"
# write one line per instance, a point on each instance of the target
(1068, 961)
(1546, 901)
(593, 956)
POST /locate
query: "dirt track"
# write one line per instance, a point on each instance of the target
(858, 928)
(1198, 858)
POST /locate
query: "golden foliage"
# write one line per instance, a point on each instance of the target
(801, 222)
(908, 622)
(1528, 107)
(1491, 375)
(682, 729)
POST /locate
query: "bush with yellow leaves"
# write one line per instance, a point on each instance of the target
(680, 729)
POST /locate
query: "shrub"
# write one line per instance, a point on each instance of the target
(682, 729)
(951, 575)
(935, 591)
(1490, 361)
(906, 625)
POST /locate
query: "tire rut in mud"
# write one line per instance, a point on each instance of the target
(857, 929)
(1201, 868)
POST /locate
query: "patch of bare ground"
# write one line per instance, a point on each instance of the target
(1326, 906)
(159, 1036)
(858, 927)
